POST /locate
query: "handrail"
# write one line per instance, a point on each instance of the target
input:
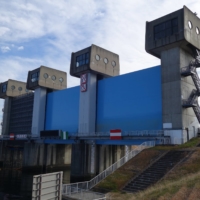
(68, 189)
(136, 133)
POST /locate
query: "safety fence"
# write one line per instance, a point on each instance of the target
(69, 189)
(139, 133)
(86, 195)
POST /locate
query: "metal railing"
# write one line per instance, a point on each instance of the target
(137, 133)
(86, 195)
(69, 189)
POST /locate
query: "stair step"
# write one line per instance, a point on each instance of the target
(155, 172)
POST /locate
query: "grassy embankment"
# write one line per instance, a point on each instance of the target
(183, 182)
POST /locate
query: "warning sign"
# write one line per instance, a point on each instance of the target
(83, 87)
(83, 78)
(83, 82)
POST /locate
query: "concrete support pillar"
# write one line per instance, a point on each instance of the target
(127, 151)
(63, 155)
(87, 121)
(42, 156)
(118, 152)
(175, 88)
(39, 107)
(101, 158)
(79, 162)
(33, 156)
(87, 106)
(68, 152)
(92, 160)
(6, 116)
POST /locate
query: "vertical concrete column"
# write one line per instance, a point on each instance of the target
(87, 106)
(93, 159)
(39, 107)
(33, 156)
(175, 88)
(101, 158)
(118, 152)
(6, 116)
(67, 156)
(127, 151)
(87, 116)
(79, 164)
(107, 160)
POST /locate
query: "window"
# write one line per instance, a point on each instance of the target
(4, 88)
(105, 60)
(45, 75)
(113, 63)
(190, 24)
(197, 30)
(35, 76)
(82, 59)
(61, 79)
(53, 77)
(166, 29)
(20, 89)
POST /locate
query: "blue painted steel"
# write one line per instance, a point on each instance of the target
(99, 142)
(130, 102)
(121, 142)
(53, 141)
(62, 110)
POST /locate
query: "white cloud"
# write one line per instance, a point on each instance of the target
(3, 30)
(20, 48)
(5, 49)
(69, 26)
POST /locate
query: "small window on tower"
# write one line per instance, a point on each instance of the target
(35, 76)
(4, 88)
(82, 60)
(166, 29)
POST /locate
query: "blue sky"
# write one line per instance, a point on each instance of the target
(34, 33)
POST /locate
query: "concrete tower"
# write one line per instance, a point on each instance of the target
(43, 80)
(9, 90)
(90, 64)
(175, 39)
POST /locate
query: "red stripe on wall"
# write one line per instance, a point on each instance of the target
(115, 131)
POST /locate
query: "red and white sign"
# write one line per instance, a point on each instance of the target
(83, 87)
(83, 82)
(116, 134)
(12, 136)
(83, 78)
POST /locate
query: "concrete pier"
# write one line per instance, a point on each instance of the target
(81, 167)
(41, 156)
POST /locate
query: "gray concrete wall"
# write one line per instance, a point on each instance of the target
(108, 155)
(175, 88)
(6, 116)
(37, 156)
(39, 107)
(87, 106)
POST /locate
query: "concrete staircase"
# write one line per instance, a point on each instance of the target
(155, 172)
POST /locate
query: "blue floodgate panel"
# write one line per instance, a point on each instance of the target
(62, 110)
(130, 102)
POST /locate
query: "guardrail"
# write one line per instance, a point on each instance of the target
(143, 133)
(86, 195)
(69, 189)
